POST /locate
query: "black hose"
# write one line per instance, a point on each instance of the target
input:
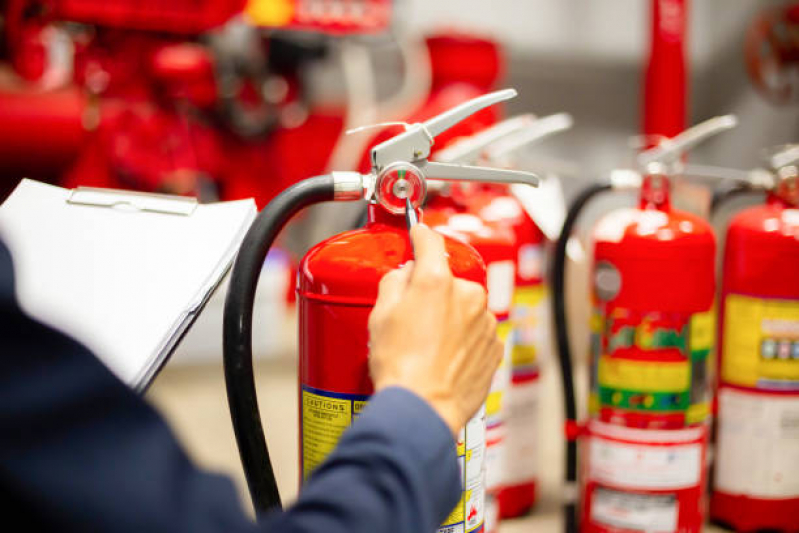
(571, 520)
(723, 195)
(237, 332)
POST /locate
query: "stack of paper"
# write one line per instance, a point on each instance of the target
(125, 273)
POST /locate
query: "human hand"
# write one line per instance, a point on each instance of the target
(432, 334)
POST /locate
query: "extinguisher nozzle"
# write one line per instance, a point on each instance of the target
(411, 217)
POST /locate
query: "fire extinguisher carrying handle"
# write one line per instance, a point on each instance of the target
(237, 324)
(571, 521)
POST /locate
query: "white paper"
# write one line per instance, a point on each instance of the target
(125, 283)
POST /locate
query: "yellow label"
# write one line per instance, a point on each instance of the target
(324, 419)
(703, 330)
(530, 295)
(649, 376)
(523, 355)
(457, 513)
(593, 403)
(596, 322)
(270, 13)
(761, 338)
(697, 412)
(526, 318)
(494, 403)
(503, 330)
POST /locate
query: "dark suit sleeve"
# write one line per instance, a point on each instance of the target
(79, 451)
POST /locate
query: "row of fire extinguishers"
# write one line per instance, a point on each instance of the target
(645, 443)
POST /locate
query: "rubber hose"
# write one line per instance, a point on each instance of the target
(571, 521)
(237, 334)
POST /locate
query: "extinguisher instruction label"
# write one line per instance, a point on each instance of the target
(761, 343)
(530, 338)
(521, 441)
(646, 465)
(326, 415)
(638, 512)
(758, 444)
(652, 362)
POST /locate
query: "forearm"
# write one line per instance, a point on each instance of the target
(394, 470)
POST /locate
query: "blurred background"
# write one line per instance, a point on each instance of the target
(229, 99)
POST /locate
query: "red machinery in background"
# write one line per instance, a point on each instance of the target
(142, 95)
(757, 467)
(665, 82)
(462, 67)
(772, 54)
(337, 287)
(652, 331)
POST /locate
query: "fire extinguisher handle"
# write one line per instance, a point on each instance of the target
(784, 155)
(537, 131)
(451, 172)
(469, 149)
(237, 333)
(672, 149)
(415, 143)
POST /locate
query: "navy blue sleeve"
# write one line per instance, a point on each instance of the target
(395, 470)
(80, 451)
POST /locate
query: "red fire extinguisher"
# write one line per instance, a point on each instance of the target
(337, 286)
(496, 245)
(756, 477)
(498, 213)
(644, 445)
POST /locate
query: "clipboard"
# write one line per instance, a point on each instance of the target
(125, 273)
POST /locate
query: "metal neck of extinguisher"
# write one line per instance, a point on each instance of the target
(399, 173)
(779, 180)
(784, 166)
(666, 160)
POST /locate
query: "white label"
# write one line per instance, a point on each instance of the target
(500, 278)
(758, 444)
(530, 260)
(642, 466)
(640, 512)
(491, 514)
(495, 457)
(521, 440)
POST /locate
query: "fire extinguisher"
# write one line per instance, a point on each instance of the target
(652, 330)
(512, 490)
(496, 245)
(756, 476)
(337, 286)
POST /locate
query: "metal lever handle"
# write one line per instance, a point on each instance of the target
(784, 156)
(535, 132)
(451, 172)
(469, 149)
(449, 118)
(671, 149)
(415, 142)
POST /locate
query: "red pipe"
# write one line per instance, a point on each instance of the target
(665, 83)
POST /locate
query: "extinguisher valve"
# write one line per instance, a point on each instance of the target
(783, 156)
(665, 158)
(400, 168)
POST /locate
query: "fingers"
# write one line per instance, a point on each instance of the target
(472, 297)
(392, 286)
(432, 269)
